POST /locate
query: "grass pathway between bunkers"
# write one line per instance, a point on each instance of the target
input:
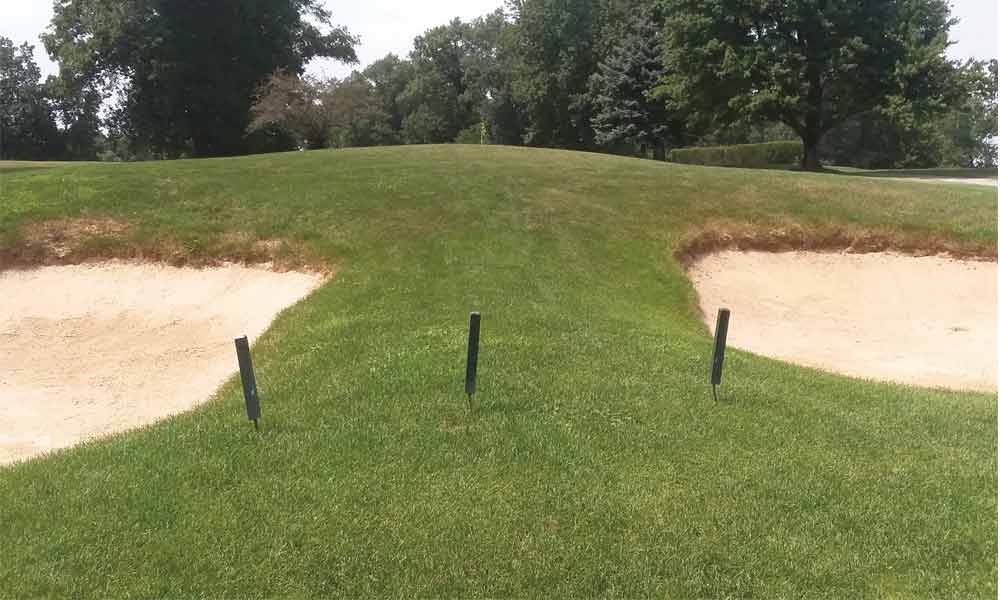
(597, 463)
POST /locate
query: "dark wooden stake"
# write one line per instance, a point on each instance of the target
(473, 356)
(719, 354)
(248, 379)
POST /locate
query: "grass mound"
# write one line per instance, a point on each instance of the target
(596, 464)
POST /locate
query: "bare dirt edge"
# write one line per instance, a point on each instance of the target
(717, 236)
(84, 240)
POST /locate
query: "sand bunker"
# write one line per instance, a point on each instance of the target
(925, 321)
(969, 180)
(90, 349)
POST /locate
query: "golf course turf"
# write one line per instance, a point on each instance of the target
(594, 463)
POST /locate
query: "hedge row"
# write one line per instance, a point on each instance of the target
(741, 155)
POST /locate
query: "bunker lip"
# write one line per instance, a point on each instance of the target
(92, 349)
(93, 240)
(926, 321)
(714, 237)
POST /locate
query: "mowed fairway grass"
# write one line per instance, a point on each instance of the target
(596, 462)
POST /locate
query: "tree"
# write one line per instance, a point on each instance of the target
(554, 42)
(895, 136)
(28, 129)
(456, 79)
(435, 99)
(389, 76)
(357, 115)
(187, 69)
(488, 73)
(298, 106)
(884, 139)
(970, 125)
(424, 126)
(320, 113)
(808, 64)
(557, 45)
(749, 131)
(77, 108)
(627, 113)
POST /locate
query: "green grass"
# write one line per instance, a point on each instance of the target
(596, 464)
(9, 166)
(947, 173)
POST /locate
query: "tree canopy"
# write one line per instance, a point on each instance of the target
(27, 123)
(320, 113)
(810, 65)
(54, 119)
(859, 82)
(626, 109)
(185, 70)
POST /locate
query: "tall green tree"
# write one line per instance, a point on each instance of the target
(555, 45)
(435, 100)
(28, 129)
(970, 125)
(895, 136)
(489, 82)
(884, 139)
(359, 119)
(810, 64)
(389, 76)
(77, 108)
(627, 112)
(558, 45)
(187, 69)
(458, 79)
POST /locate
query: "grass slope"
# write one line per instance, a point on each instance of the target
(945, 172)
(597, 463)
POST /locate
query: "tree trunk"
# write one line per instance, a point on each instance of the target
(659, 152)
(812, 130)
(810, 156)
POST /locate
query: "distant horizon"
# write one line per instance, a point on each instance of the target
(386, 26)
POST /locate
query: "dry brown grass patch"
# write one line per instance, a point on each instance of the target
(64, 236)
(786, 237)
(81, 240)
(64, 241)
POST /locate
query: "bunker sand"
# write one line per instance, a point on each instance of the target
(969, 180)
(926, 321)
(87, 350)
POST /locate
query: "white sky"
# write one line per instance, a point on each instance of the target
(386, 26)
(390, 26)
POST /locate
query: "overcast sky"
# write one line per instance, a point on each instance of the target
(389, 26)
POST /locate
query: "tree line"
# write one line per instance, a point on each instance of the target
(861, 83)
